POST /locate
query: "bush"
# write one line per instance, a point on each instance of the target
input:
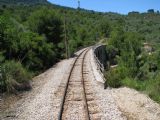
(14, 77)
(133, 83)
(153, 89)
(115, 76)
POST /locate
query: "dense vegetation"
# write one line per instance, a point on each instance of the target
(32, 39)
(22, 2)
(136, 54)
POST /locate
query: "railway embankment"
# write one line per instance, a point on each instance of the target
(43, 102)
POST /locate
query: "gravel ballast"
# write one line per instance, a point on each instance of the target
(104, 99)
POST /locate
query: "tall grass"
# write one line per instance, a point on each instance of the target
(14, 77)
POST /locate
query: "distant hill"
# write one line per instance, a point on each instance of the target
(27, 2)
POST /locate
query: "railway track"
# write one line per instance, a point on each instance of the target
(74, 105)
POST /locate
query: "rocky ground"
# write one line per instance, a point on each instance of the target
(135, 105)
(42, 102)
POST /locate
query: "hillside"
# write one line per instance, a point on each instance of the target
(20, 2)
(33, 38)
(148, 24)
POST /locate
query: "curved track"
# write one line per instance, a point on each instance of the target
(74, 104)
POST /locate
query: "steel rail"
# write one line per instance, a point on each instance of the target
(66, 88)
(84, 89)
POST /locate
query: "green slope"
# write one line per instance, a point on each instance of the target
(8, 2)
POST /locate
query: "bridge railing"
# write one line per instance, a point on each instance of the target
(98, 64)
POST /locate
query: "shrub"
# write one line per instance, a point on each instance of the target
(153, 89)
(133, 83)
(115, 76)
(14, 77)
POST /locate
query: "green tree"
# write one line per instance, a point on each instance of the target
(46, 22)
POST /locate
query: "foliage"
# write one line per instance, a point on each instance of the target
(45, 22)
(28, 47)
(34, 35)
(153, 89)
(31, 2)
(137, 67)
(114, 76)
(14, 77)
(105, 28)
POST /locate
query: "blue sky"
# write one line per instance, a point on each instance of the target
(120, 6)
